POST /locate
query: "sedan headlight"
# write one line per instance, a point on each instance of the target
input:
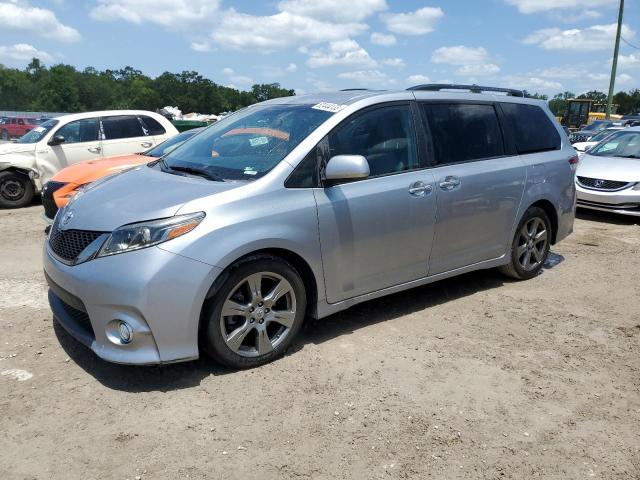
(146, 234)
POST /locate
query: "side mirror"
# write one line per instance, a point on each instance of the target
(56, 140)
(346, 167)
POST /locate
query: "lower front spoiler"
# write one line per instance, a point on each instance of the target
(624, 209)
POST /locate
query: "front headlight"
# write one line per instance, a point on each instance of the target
(146, 234)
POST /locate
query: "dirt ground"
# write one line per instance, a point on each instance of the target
(473, 377)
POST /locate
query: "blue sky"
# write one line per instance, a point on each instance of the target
(546, 46)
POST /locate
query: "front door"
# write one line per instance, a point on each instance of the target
(477, 184)
(81, 143)
(376, 233)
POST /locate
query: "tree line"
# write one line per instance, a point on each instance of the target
(63, 88)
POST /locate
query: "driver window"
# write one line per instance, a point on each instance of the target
(79, 131)
(384, 136)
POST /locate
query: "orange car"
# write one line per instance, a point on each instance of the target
(65, 184)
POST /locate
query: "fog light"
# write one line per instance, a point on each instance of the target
(125, 331)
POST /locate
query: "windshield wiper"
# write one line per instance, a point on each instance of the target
(628, 156)
(195, 171)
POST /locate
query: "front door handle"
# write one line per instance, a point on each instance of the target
(146, 144)
(449, 183)
(419, 189)
(94, 149)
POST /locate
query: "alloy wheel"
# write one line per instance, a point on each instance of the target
(532, 244)
(258, 314)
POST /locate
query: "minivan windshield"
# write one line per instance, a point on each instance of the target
(601, 135)
(621, 144)
(247, 144)
(596, 126)
(38, 133)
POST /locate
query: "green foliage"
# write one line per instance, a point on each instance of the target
(62, 88)
(628, 102)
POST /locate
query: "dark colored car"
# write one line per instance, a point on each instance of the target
(589, 131)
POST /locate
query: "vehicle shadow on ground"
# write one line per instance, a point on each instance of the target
(606, 217)
(166, 378)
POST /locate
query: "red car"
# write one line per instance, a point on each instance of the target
(16, 126)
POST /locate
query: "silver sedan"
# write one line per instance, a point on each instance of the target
(608, 177)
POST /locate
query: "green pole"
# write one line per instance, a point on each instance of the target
(614, 64)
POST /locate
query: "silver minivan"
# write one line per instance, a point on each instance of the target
(304, 206)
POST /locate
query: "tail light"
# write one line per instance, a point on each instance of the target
(573, 162)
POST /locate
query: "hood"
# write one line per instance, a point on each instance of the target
(7, 148)
(609, 168)
(136, 195)
(87, 172)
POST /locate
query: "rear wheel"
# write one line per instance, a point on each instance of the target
(256, 312)
(530, 247)
(16, 189)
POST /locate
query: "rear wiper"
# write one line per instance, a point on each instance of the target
(196, 171)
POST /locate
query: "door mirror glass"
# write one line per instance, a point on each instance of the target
(346, 167)
(57, 140)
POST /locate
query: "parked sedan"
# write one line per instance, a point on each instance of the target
(608, 177)
(68, 181)
(585, 134)
(25, 166)
(596, 139)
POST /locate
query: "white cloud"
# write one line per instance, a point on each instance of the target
(368, 78)
(292, 67)
(536, 6)
(629, 61)
(173, 14)
(333, 10)
(282, 30)
(394, 62)
(21, 17)
(624, 78)
(479, 69)
(460, 55)
(590, 39)
(235, 78)
(22, 53)
(470, 60)
(341, 53)
(417, 79)
(523, 82)
(383, 39)
(565, 17)
(412, 23)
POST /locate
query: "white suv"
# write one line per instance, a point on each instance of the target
(25, 166)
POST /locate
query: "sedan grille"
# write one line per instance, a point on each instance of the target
(599, 184)
(579, 137)
(68, 244)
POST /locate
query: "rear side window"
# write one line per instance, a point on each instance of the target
(152, 126)
(531, 128)
(462, 132)
(123, 126)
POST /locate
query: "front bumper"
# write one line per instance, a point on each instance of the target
(625, 202)
(158, 293)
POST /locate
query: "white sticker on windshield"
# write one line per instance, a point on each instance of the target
(254, 142)
(249, 171)
(39, 129)
(329, 107)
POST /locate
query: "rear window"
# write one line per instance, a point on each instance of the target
(152, 126)
(532, 129)
(463, 132)
(122, 126)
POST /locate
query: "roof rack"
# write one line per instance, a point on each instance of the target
(435, 87)
(354, 89)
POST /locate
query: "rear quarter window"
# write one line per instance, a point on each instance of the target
(531, 128)
(152, 126)
(121, 126)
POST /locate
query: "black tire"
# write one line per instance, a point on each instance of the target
(214, 339)
(16, 189)
(524, 244)
(5, 135)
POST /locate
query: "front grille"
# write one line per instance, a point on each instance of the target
(49, 204)
(610, 206)
(68, 244)
(600, 184)
(79, 317)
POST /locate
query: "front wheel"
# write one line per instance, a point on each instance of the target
(255, 313)
(16, 190)
(530, 247)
